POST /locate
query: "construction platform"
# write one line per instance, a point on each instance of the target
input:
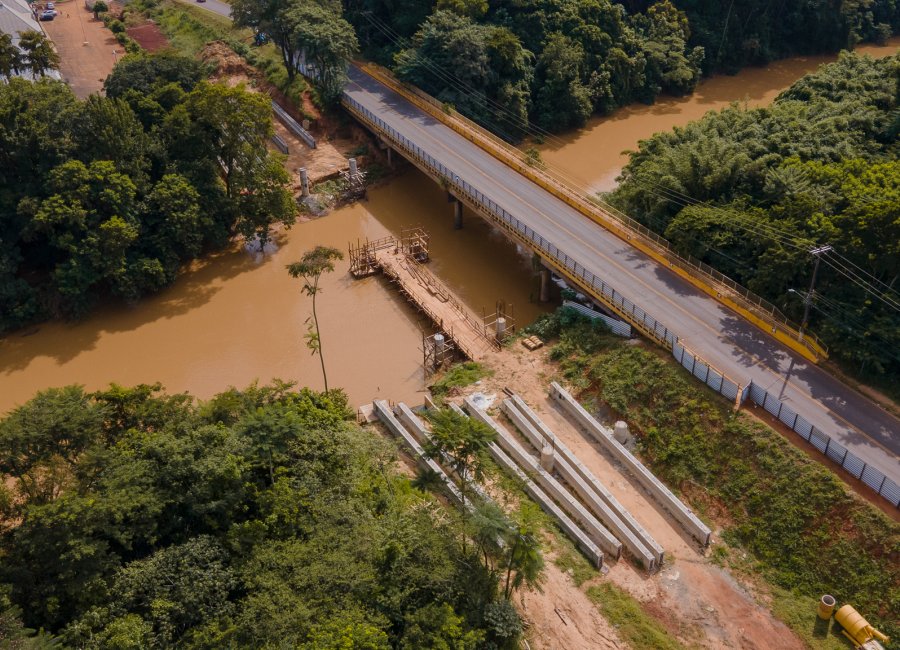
(401, 261)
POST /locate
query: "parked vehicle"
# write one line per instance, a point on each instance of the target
(48, 14)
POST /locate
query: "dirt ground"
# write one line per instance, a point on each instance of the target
(331, 152)
(694, 599)
(87, 50)
(148, 36)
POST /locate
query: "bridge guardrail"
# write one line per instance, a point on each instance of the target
(640, 319)
(760, 312)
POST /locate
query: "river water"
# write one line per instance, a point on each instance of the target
(593, 157)
(232, 318)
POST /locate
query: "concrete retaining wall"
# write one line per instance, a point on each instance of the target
(682, 514)
(595, 530)
(562, 451)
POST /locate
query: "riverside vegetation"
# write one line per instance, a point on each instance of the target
(111, 195)
(804, 531)
(751, 191)
(261, 518)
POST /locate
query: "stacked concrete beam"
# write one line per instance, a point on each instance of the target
(383, 410)
(563, 451)
(595, 530)
(569, 527)
(682, 514)
(584, 490)
(412, 422)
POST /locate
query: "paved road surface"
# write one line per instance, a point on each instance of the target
(716, 333)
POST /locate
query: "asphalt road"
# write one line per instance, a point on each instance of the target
(706, 326)
(713, 331)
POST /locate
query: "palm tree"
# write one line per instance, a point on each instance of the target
(10, 57)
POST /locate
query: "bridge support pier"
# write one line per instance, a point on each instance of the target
(304, 182)
(457, 211)
(390, 157)
(545, 285)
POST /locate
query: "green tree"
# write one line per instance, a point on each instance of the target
(266, 201)
(99, 8)
(562, 100)
(39, 55)
(326, 41)
(271, 17)
(461, 443)
(310, 268)
(144, 72)
(10, 57)
(233, 125)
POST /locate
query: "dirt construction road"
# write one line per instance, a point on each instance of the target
(83, 66)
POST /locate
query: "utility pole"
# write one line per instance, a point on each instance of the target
(807, 301)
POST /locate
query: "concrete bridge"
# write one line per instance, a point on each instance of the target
(731, 333)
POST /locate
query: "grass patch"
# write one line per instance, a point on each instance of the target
(462, 374)
(570, 560)
(640, 630)
(799, 612)
(801, 527)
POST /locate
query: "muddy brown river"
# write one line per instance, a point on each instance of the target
(233, 319)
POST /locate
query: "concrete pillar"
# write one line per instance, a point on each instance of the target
(457, 215)
(621, 433)
(501, 327)
(548, 457)
(439, 348)
(390, 157)
(354, 170)
(304, 182)
(545, 285)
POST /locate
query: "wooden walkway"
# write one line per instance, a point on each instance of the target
(399, 261)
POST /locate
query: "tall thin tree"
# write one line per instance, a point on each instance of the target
(310, 268)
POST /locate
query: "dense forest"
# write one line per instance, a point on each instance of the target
(263, 518)
(751, 192)
(111, 195)
(505, 62)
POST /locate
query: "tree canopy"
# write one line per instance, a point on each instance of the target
(261, 518)
(752, 191)
(102, 197)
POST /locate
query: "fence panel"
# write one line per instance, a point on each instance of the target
(771, 404)
(701, 370)
(757, 394)
(872, 477)
(854, 465)
(803, 428)
(715, 380)
(729, 389)
(836, 452)
(891, 491)
(788, 416)
(818, 440)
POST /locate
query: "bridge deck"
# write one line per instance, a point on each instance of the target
(718, 334)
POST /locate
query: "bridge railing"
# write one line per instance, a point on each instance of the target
(640, 319)
(760, 312)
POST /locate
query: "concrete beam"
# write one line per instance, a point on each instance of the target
(585, 491)
(562, 451)
(383, 410)
(682, 514)
(595, 530)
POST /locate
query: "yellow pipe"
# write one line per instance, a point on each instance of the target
(784, 333)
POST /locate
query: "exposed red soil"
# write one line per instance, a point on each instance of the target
(148, 36)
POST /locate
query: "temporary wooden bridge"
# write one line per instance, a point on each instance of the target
(401, 261)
